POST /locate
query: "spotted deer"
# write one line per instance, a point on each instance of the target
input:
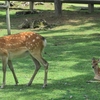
(96, 68)
(15, 45)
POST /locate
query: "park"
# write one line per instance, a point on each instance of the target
(72, 42)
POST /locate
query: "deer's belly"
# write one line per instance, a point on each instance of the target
(20, 52)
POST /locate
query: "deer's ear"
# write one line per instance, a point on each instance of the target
(93, 58)
(99, 60)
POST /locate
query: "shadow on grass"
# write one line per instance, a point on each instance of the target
(77, 48)
(74, 18)
(82, 46)
(74, 87)
(62, 48)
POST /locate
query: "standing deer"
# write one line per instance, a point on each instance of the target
(96, 68)
(15, 45)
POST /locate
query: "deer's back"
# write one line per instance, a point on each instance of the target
(18, 44)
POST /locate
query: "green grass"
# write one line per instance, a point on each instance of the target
(71, 46)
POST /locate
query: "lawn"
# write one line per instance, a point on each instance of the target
(72, 43)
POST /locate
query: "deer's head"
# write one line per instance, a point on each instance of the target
(95, 63)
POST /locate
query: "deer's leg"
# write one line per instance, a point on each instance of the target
(45, 64)
(12, 70)
(46, 72)
(37, 67)
(4, 65)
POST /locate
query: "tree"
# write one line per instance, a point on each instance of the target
(58, 7)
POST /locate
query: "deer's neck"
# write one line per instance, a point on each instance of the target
(97, 70)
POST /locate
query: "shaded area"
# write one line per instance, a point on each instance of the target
(71, 17)
(67, 88)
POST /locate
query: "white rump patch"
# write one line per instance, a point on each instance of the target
(44, 42)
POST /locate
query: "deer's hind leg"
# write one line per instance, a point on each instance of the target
(45, 64)
(37, 55)
(37, 67)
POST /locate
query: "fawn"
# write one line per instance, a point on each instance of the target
(96, 68)
(15, 45)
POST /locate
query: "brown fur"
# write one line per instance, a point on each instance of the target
(96, 68)
(15, 45)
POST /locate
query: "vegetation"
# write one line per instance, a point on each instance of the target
(72, 43)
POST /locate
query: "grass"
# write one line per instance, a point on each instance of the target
(71, 45)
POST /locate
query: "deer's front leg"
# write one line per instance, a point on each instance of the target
(4, 65)
(12, 70)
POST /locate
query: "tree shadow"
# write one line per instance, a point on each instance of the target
(74, 18)
(74, 87)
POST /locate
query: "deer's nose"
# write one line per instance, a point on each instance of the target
(92, 66)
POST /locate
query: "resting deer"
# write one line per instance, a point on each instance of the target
(15, 45)
(96, 68)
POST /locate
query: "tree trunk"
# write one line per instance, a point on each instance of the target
(8, 17)
(31, 5)
(91, 8)
(58, 7)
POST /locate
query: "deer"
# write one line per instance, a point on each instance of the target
(96, 68)
(15, 45)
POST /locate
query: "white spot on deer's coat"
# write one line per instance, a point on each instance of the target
(29, 36)
(37, 37)
(33, 40)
